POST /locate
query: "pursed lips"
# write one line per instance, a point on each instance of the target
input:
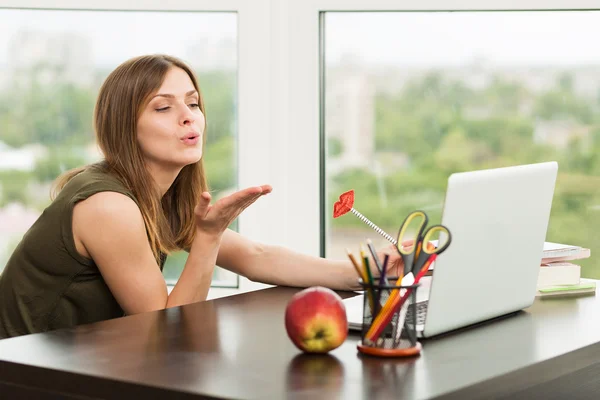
(191, 135)
(191, 138)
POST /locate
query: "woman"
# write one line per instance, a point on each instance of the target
(97, 251)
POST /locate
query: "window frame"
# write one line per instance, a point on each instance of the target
(253, 77)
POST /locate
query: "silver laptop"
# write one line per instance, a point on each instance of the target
(498, 219)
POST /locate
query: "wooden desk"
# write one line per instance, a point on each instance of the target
(236, 347)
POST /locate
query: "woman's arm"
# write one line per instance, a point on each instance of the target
(112, 232)
(108, 227)
(280, 266)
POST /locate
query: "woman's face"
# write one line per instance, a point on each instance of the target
(171, 127)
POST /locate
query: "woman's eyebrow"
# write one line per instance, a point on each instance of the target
(188, 94)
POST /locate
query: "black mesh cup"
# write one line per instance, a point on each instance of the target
(389, 315)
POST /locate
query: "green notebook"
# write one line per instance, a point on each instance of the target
(585, 286)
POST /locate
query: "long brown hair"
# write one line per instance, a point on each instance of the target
(124, 94)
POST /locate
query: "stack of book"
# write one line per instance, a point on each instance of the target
(558, 275)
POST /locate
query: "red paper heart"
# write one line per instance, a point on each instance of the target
(344, 204)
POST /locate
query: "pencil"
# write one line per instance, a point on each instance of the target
(375, 288)
(384, 269)
(366, 265)
(369, 278)
(361, 274)
(356, 266)
(382, 282)
(374, 254)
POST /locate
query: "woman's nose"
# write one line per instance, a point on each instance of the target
(187, 117)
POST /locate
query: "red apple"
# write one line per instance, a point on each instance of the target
(315, 320)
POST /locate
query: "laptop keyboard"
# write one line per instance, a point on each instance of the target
(421, 312)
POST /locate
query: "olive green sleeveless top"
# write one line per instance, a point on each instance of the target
(47, 284)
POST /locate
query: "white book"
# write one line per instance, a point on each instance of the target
(563, 273)
(563, 252)
(552, 249)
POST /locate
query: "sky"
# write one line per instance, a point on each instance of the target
(118, 35)
(453, 38)
(399, 38)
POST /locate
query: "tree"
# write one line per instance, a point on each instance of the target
(57, 161)
(219, 90)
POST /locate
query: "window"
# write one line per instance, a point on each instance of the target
(411, 97)
(299, 64)
(52, 65)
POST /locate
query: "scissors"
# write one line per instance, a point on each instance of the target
(416, 256)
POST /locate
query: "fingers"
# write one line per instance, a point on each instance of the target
(235, 203)
(203, 204)
(266, 189)
(240, 198)
(247, 196)
(249, 201)
(250, 192)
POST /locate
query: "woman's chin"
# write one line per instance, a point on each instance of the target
(180, 161)
(189, 162)
(191, 158)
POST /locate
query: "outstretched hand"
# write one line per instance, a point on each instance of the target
(215, 218)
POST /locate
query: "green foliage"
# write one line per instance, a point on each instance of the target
(443, 127)
(502, 97)
(14, 187)
(219, 92)
(174, 266)
(58, 160)
(563, 103)
(335, 147)
(47, 114)
(220, 164)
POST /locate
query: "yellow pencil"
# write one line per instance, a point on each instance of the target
(369, 280)
(361, 274)
(356, 266)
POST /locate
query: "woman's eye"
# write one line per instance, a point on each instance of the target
(194, 105)
(163, 109)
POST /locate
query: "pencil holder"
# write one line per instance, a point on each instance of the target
(389, 320)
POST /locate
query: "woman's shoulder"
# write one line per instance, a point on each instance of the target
(95, 174)
(108, 206)
(95, 179)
